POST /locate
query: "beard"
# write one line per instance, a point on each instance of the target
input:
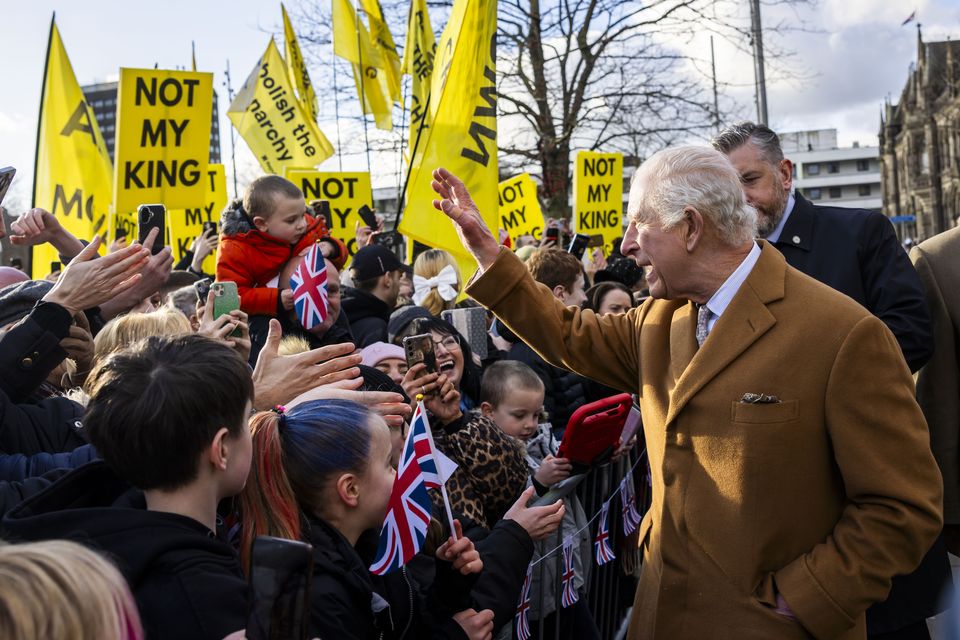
(770, 213)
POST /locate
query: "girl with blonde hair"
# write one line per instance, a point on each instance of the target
(60, 589)
(436, 281)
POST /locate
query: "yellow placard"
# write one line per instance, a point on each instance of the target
(520, 212)
(598, 196)
(163, 138)
(186, 224)
(73, 172)
(345, 191)
(270, 119)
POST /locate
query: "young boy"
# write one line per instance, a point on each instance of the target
(511, 395)
(169, 417)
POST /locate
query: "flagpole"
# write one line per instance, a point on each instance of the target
(413, 154)
(336, 108)
(403, 140)
(443, 481)
(43, 97)
(233, 133)
(363, 93)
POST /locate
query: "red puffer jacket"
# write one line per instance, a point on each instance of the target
(254, 259)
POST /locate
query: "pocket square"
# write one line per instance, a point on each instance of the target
(759, 398)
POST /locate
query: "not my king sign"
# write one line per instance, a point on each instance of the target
(163, 138)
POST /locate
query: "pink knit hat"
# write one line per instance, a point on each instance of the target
(380, 351)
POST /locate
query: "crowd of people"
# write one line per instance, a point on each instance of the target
(146, 442)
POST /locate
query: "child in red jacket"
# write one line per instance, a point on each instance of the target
(260, 233)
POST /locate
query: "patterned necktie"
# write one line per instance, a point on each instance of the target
(703, 317)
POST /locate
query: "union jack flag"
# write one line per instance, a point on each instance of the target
(570, 594)
(409, 510)
(628, 499)
(601, 544)
(523, 609)
(309, 284)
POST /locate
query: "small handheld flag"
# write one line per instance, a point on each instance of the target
(570, 595)
(408, 514)
(631, 519)
(601, 544)
(309, 284)
(523, 609)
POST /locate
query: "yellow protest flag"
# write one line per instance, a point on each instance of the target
(352, 42)
(186, 224)
(520, 212)
(163, 137)
(271, 120)
(345, 191)
(598, 196)
(462, 136)
(418, 55)
(383, 43)
(297, 68)
(73, 177)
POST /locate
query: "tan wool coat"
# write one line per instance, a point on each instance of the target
(824, 494)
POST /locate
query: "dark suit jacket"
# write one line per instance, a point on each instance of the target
(856, 252)
(829, 492)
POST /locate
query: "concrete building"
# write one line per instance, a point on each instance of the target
(920, 143)
(102, 98)
(827, 174)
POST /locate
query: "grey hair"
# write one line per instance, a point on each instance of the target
(674, 179)
(760, 136)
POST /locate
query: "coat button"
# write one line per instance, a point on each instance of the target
(796, 239)
(27, 362)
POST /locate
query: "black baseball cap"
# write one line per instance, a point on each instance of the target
(374, 260)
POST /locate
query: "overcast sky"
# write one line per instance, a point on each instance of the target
(855, 55)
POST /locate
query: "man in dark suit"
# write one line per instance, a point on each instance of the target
(856, 252)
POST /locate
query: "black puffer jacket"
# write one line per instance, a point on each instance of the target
(350, 603)
(187, 583)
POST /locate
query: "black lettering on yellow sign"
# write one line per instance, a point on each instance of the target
(599, 166)
(330, 188)
(154, 134)
(509, 221)
(285, 104)
(80, 121)
(148, 174)
(488, 93)
(511, 192)
(199, 215)
(599, 219)
(64, 207)
(598, 192)
(170, 91)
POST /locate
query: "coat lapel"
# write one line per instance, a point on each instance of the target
(744, 321)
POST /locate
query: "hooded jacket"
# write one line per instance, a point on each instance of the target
(253, 259)
(187, 583)
(368, 316)
(350, 603)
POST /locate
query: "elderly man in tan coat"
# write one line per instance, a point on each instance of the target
(785, 496)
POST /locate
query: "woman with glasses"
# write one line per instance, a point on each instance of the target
(491, 467)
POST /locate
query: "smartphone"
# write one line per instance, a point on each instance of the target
(55, 267)
(280, 575)
(578, 245)
(596, 240)
(632, 425)
(553, 234)
(321, 209)
(6, 178)
(149, 217)
(210, 227)
(420, 349)
(471, 323)
(225, 300)
(16, 263)
(389, 239)
(369, 217)
(202, 287)
(120, 233)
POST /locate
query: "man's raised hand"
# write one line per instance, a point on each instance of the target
(457, 204)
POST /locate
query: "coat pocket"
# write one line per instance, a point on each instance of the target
(765, 413)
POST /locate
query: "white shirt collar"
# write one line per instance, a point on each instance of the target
(719, 302)
(775, 234)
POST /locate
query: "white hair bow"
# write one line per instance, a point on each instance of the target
(444, 282)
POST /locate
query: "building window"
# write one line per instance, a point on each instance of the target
(833, 167)
(814, 194)
(813, 169)
(834, 192)
(864, 190)
(863, 165)
(794, 171)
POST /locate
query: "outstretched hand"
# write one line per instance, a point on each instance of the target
(457, 204)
